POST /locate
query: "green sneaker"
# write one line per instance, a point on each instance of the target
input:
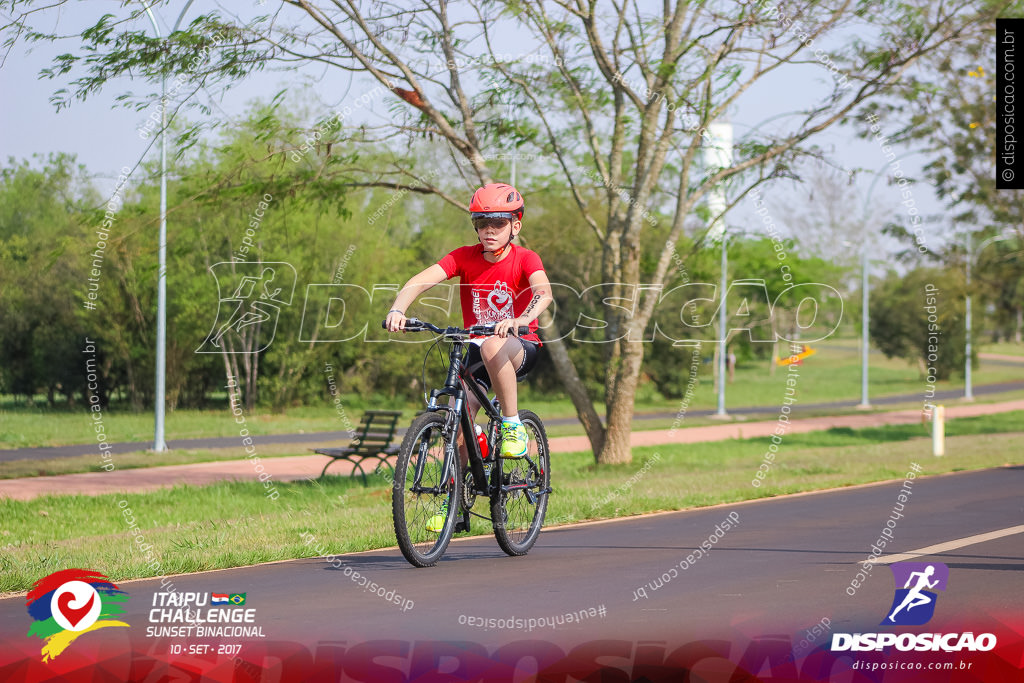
(513, 440)
(436, 523)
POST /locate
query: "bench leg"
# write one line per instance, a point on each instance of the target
(329, 463)
(384, 464)
(359, 466)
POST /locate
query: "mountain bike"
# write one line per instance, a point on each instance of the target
(428, 481)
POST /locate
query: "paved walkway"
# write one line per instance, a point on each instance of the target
(309, 466)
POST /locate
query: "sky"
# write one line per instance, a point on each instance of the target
(105, 137)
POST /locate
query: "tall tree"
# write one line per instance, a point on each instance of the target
(616, 96)
(43, 276)
(945, 109)
(919, 316)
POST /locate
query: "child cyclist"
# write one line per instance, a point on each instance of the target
(501, 284)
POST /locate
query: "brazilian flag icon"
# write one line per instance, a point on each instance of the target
(237, 598)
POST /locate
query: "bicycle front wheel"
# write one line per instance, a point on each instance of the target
(519, 493)
(425, 494)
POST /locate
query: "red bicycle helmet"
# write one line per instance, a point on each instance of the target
(497, 200)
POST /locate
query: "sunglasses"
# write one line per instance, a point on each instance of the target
(491, 224)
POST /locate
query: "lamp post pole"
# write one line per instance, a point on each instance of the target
(865, 404)
(865, 320)
(968, 389)
(718, 154)
(722, 326)
(159, 444)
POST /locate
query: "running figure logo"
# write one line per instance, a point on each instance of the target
(914, 604)
(256, 293)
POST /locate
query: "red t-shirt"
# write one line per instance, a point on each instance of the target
(490, 292)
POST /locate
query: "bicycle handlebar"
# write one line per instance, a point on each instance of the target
(416, 325)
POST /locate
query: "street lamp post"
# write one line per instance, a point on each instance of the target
(865, 316)
(722, 328)
(159, 444)
(718, 154)
(865, 404)
(865, 320)
(968, 389)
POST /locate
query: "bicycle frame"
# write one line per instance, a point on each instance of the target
(454, 386)
(458, 378)
(517, 494)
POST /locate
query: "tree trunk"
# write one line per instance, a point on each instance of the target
(617, 447)
(231, 368)
(611, 291)
(133, 390)
(621, 268)
(226, 356)
(1018, 333)
(254, 371)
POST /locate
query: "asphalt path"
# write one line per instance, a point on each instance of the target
(784, 566)
(319, 438)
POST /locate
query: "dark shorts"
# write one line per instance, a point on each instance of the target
(476, 366)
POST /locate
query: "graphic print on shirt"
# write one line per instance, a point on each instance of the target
(492, 305)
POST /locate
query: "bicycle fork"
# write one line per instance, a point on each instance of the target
(447, 478)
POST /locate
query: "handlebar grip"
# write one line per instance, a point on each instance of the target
(411, 325)
(523, 329)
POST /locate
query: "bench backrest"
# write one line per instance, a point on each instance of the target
(377, 430)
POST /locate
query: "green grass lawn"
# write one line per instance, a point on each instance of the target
(1004, 348)
(832, 374)
(26, 427)
(232, 523)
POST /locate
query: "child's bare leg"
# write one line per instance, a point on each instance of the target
(502, 357)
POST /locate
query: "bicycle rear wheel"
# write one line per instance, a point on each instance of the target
(518, 506)
(420, 492)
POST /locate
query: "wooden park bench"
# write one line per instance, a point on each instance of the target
(373, 442)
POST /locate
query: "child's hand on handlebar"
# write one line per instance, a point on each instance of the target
(503, 328)
(395, 322)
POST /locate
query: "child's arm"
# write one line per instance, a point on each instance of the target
(541, 299)
(416, 285)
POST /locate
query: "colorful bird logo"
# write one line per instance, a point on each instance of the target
(69, 603)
